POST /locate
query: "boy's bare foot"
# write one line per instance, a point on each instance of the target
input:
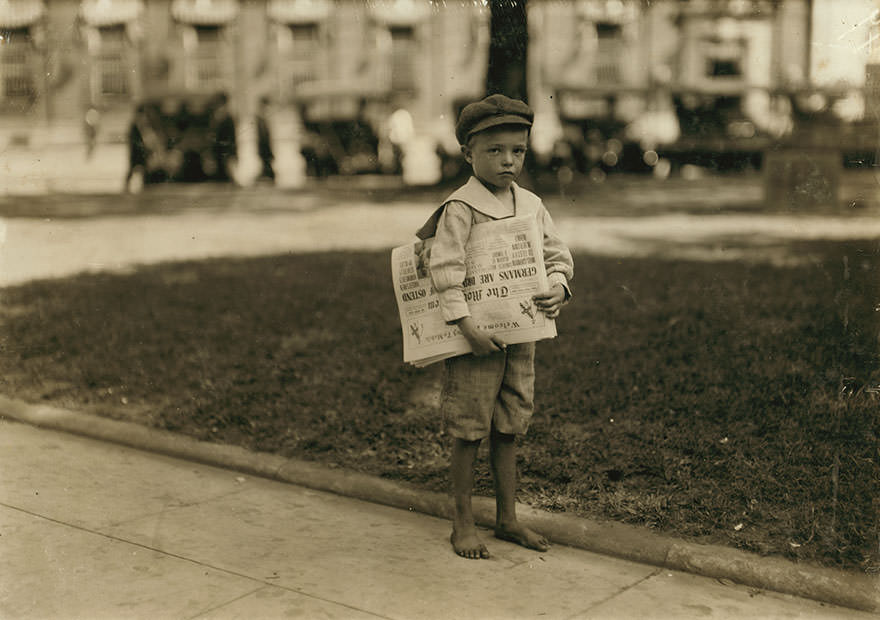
(522, 535)
(468, 545)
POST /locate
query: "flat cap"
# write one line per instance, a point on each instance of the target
(492, 111)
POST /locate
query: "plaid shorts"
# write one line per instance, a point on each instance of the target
(495, 391)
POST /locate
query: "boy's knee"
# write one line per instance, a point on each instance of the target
(467, 443)
(498, 436)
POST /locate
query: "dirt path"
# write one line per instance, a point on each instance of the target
(48, 248)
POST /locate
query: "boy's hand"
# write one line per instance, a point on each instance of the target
(482, 343)
(550, 302)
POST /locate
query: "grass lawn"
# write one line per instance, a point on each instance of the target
(722, 402)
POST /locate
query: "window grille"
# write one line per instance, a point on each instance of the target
(609, 52)
(16, 75)
(111, 71)
(404, 53)
(208, 58)
(303, 53)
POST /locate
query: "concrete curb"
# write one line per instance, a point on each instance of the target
(629, 542)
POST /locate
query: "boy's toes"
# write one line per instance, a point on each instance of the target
(479, 553)
(538, 542)
(471, 549)
(520, 535)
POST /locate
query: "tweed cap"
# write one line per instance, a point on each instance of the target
(492, 111)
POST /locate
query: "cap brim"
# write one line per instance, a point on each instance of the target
(501, 119)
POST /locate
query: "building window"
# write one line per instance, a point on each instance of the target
(724, 67)
(404, 53)
(16, 74)
(303, 39)
(723, 59)
(206, 58)
(609, 52)
(303, 50)
(111, 65)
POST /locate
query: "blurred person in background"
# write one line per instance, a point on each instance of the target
(168, 156)
(149, 159)
(137, 151)
(222, 132)
(90, 125)
(264, 140)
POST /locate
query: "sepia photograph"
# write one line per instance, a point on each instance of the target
(259, 257)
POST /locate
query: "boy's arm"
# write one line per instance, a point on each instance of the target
(447, 262)
(560, 269)
(557, 257)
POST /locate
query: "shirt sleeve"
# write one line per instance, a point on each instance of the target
(447, 262)
(557, 257)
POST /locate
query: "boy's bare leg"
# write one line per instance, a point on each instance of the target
(502, 454)
(464, 537)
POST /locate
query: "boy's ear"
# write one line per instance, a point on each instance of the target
(466, 151)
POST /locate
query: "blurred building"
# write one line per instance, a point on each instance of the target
(355, 86)
(375, 87)
(711, 82)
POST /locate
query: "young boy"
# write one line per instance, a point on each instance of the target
(490, 393)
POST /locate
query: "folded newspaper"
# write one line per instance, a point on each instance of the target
(505, 269)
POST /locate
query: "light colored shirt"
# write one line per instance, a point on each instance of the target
(450, 226)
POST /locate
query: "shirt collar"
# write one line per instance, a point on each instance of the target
(479, 198)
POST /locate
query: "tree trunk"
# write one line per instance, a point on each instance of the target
(508, 49)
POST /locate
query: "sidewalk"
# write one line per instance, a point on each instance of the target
(246, 224)
(95, 530)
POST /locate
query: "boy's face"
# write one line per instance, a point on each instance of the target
(497, 154)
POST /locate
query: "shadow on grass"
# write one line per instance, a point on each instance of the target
(729, 402)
